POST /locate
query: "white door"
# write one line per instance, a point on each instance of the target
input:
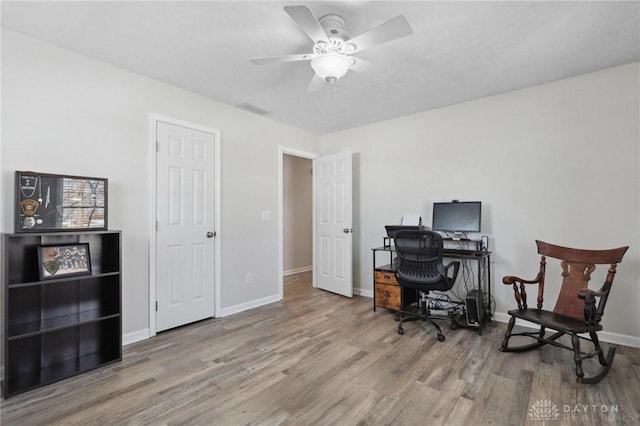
(334, 228)
(185, 225)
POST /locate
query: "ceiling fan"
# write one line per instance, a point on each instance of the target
(331, 57)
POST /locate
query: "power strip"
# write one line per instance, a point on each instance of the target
(439, 312)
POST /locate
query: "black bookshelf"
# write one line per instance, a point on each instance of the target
(57, 328)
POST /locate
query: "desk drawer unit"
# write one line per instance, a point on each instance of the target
(386, 277)
(387, 290)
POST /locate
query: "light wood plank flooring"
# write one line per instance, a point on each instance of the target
(318, 358)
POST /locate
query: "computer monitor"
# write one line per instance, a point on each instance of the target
(457, 217)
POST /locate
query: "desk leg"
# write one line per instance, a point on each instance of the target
(481, 287)
(374, 281)
(486, 289)
(489, 282)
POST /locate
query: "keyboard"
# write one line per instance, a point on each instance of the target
(459, 251)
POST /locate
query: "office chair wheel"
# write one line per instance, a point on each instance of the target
(400, 330)
(453, 326)
(440, 337)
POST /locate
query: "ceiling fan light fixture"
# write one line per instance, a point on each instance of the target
(331, 67)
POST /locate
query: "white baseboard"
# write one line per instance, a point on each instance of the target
(139, 335)
(298, 270)
(249, 305)
(136, 336)
(363, 292)
(605, 336)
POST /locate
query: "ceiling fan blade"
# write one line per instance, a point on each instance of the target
(308, 22)
(369, 70)
(315, 84)
(361, 66)
(391, 30)
(280, 59)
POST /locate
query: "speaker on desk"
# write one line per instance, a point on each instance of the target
(475, 307)
(484, 243)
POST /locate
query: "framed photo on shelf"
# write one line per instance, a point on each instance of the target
(53, 203)
(64, 260)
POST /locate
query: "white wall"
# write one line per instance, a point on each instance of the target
(68, 114)
(297, 213)
(557, 162)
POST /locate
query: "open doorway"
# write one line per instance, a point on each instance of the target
(297, 229)
(296, 215)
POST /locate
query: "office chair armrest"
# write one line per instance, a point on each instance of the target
(456, 267)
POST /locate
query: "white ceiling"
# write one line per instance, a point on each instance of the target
(459, 50)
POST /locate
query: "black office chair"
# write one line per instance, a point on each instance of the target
(420, 267)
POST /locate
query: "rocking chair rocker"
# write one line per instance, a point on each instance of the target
(576, 311)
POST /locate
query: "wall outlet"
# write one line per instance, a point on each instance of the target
(249, 278)
(266, 214)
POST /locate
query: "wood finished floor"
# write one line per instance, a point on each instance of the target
(318, 358)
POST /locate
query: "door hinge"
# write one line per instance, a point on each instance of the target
(156, 306)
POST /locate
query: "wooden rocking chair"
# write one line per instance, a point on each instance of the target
(576, 311)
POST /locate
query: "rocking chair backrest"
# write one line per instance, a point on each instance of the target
(577, 266)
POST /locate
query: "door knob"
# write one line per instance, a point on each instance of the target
(347, 230)
(211, 234)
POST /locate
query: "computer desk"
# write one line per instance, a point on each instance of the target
(388, 294)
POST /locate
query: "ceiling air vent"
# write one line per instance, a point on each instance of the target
(252, 108)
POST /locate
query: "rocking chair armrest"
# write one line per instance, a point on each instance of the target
(586, 292)
(520, 293)
(592, 312)
(512, 279)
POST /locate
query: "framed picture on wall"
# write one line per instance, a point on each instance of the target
(64, 260)
(53, 203)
